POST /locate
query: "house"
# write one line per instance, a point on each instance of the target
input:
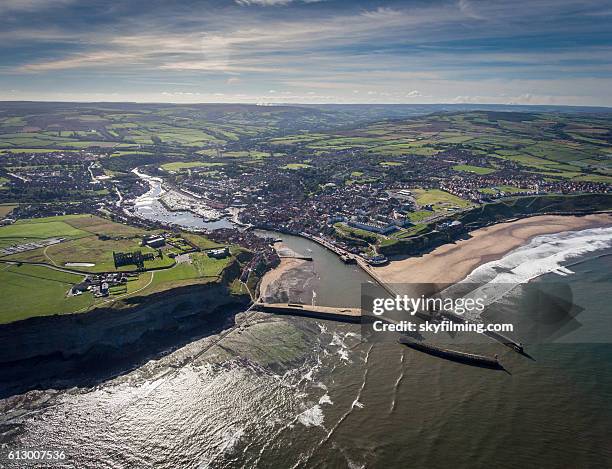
(153, 241)
(373, 227)
(220, 253)
(454, 225)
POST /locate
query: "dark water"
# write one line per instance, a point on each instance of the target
(288, 392)
(335, 283)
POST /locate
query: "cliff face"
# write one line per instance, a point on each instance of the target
(63, 347)
(497, 212)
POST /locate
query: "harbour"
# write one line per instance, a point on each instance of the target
(327, 385)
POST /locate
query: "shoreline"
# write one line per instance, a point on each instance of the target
(452, 262)
(59, 344)
(272, 275)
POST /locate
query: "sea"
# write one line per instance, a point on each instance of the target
(282, 392)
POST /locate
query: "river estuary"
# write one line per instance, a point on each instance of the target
(278, 392)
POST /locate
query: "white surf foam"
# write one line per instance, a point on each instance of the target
(312, 417)
(542, 255)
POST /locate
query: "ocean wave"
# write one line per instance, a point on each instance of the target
(544, 254)
(312, 417)
(343, 348)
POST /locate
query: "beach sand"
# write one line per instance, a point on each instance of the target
(453, 262)
(286, 264)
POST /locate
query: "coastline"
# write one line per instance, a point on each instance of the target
(451, 263)
(271, 276)
(108, 341)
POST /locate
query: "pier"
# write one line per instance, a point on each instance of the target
(320, 312)
(453, 355)
(297, 256)
(353, 315)
(336, 250)
(505, 340)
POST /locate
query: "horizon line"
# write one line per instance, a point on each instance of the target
(264, 104)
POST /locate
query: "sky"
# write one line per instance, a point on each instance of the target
(308, 51)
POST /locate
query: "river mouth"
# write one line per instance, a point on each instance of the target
(335, 283)
(310, 393)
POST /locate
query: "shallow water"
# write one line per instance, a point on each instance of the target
(149, 207)
(292, 392)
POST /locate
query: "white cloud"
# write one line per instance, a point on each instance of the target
(381, 13)
(393, 53)
(267, 3)
(467, 8)
(30, 5)
(79, 60)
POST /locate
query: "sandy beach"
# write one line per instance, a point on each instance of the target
(285, 265)
(453, 262)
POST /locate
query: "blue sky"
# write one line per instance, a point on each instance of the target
(308, 51)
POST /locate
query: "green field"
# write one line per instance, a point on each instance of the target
(439, 200)
(506, 189)
(82, 244)
(419, 215)
(179, 127)
(345, 231)
(254, 154)
(29, 291)
(98, 252)
(199, 270)
(35, 150)
(551, 145)
(26, 231)
(200, 266)
(179, 165)
(38, 290)
(466, 168)
(296, 166)
(201, 241)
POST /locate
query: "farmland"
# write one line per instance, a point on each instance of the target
(473, 169)
(89, 243)
(396, 172)
(549, 144)
(178, 166)
(296, 166)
